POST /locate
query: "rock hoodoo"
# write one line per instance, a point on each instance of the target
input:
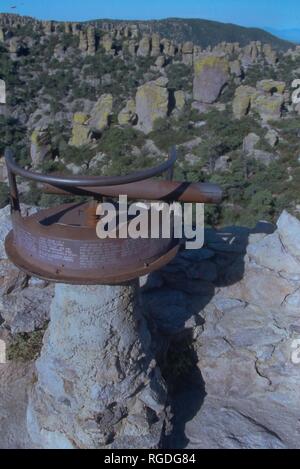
(152, 102)
(96, 373)
(210, 75)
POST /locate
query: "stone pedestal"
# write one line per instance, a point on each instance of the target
(97, 383)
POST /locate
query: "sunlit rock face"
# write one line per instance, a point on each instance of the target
(211, 74)
(97, 383)
(152, 102)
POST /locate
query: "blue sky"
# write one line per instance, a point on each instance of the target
(279, 14)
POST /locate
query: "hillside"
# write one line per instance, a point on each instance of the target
(103, 98)
(208, 33)
(199, 31)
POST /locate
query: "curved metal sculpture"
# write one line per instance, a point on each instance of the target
(60, 244)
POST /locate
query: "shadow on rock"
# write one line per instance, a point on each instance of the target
(174, 299)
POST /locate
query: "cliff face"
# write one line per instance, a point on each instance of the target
(236, 302)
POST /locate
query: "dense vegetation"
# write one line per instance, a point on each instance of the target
(46, 86)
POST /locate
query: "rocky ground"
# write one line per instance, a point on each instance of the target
(223, 321)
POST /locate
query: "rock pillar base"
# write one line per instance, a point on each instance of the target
(97, 383)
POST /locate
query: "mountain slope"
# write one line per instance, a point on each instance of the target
(205, 32)
(199, 31)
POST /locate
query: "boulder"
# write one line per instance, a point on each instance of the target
(101, 113)
(97, 381)
(160, 61)
(236, 68)
(271, 55)
(272, 137)
(250, 142)
(155, 45)
(223, 163)
(83, 41)
(107, 43)
(263, 157)
(187, 53)
(152, 102)
(180, 99)
(197, 52)
(24, 307)
(81, 133)
(91, 40)
(40, 149)
(268, 107)
(242, 101)
(48, 27)
(144, 47)
(128, 115)
(14, 47)
(211, 74)
(132, 48)
(249, 55)
(168, 47)
(271, 86)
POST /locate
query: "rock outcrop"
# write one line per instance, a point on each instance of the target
(239, 300)
(152, 102)
(98, 385)
(268, 107)
(24, 302)
(2, 92)
(144, 47)
(128, 114)
(101, 113)
(155, 45)
(242, 101)
(210, 76)
(187, 53)
(81, 133)
(267, 99)
(40, 149)
(107, 43)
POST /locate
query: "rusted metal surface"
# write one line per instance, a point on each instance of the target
(150, 190)
(58, 245)
(61, 244)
